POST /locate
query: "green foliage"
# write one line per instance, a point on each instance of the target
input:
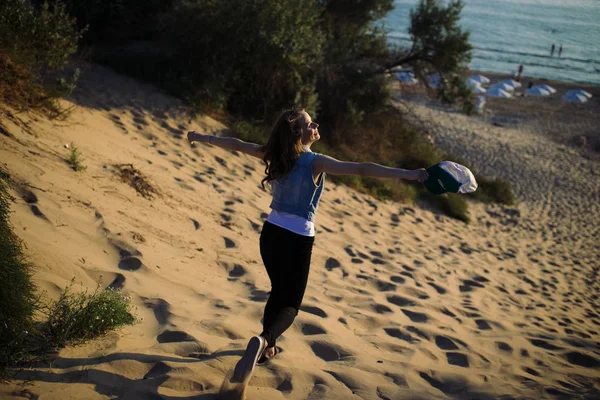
(439, 46)
(354, 47)
(252, 56)
(250, 132)
(117, 21)
(73, 318)
(74, 159)
(76, 317)
(35, 46)
(453, 205)
(17, 292)
(494, 191)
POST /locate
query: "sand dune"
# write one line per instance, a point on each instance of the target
(402, 302)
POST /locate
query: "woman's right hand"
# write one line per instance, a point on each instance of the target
(419, 175)
(192, 137)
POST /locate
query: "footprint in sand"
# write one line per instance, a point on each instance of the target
(259, 295)
(229, 244)
(445, 343)
(437, 288)
(504, 347)
(174, 336)
(313, 310)
(401, 301)
(221, 161)
(384, 286)
(38, 213)
(329, 351)
(118, 282)
(130, 260)
(381, 308)
(130, 264)
(544, 344)
(161, 309)
(399, 334)
(415, 316)
(332, 263)
(309, 329)
(468, 285)
(582, 360)
(237, 272)
(459, 359)
(256, 227)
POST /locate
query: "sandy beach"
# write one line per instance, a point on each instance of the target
(402, 302)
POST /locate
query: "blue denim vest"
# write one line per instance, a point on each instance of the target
(297, 193)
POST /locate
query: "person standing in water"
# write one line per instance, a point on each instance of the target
(297, 177)
(552, 50)
(519, 73)
(560, 50)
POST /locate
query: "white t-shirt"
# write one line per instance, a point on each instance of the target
(292, 222)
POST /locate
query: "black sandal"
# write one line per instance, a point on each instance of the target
(264, 359)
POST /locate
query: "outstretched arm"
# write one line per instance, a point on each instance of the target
(236, 144)
(332, 166)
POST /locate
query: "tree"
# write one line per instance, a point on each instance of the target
(439, 46)
(354, 45)
(253, 56)
(35, 46)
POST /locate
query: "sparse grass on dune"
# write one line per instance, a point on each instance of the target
(75, 159)
(75, 317)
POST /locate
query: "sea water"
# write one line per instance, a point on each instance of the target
(508, 33)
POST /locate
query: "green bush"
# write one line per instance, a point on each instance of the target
(494, 191)
(71, 319)
(81, 316)
(35, 46)
(254, 57)
(17, 292)
(75, 160)
(453, 205)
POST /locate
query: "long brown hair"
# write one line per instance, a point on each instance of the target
(284, 145)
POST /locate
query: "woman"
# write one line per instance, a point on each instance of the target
(297, 177)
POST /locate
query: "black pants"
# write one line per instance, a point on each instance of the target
(286, 256)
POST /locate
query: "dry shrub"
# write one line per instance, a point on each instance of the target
(136, 180)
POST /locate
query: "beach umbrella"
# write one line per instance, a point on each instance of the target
(504, 86)
(480, 78)
(433, 80)
(545, 87)
(478, 90)
(573, 96)
(473, 83)
(583, 92)
(406, 77)
(512, 83)
(537, 91)
(498, 92)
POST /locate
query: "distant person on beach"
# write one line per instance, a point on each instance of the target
(529, 85)
(560, 50)
(552, 50)
(297, 177)
(519, 73)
